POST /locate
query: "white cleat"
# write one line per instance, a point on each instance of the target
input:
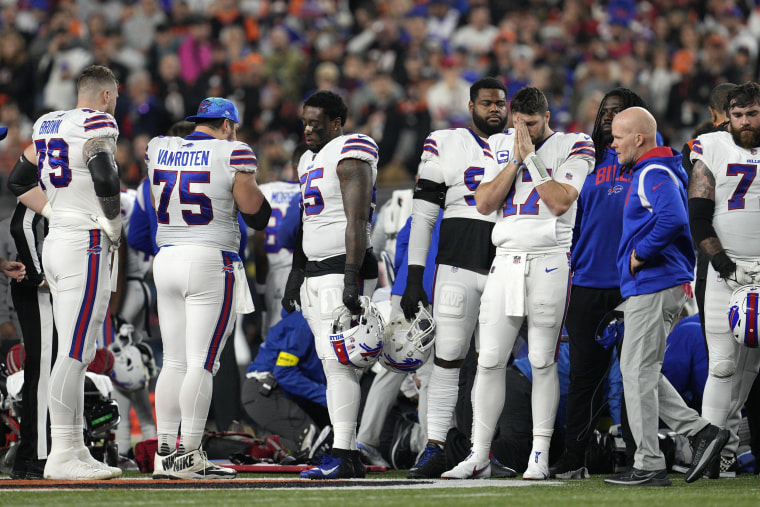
(65, 466)
(162, 465)
(83, 454)
(470, 468)
(538, 466)
(195, 465)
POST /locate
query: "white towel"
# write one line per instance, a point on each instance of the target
(114, 270)
(514, 285)
(243, 299)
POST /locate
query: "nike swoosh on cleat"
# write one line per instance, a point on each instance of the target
(328, 472)
(550, 270)
(475, 470)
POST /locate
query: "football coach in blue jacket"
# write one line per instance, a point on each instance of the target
(656, 263)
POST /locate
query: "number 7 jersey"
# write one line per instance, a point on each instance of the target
(324, 219)
(191, 181)
(737, 192)
(59, 139)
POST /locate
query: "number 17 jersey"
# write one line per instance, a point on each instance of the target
(191, 181)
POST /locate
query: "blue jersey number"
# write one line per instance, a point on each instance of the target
(529, 207)
(169, 178)
(313, 203)
(56, 152)
(747, 172)
(472, 178)
(270, 238)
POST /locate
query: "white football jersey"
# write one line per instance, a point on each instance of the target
(137, 263)
(59, 139)
(191, 180)
(525, 223)
(458, 158)
(324, 220)
(737, 192)
(279, 194)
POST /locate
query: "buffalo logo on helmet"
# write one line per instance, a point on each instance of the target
(743, 315)
(357, 340)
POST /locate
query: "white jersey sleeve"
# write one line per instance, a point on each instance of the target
(59, 138)
(191, 181)
(525, 223)
(737, 192)
(324, 219)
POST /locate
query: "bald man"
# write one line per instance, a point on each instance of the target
(656, 263)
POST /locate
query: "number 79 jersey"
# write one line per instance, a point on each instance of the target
(525, 223)
(737, 192)
(59, 139)
(191, 181)
(324, 219)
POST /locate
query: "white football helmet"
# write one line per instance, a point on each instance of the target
(129, 370)
(408, 345)
(358, 339)
(743, 315)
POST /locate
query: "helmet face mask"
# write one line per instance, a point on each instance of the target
(129, 370)
(357, 340)
(743, 315)
(408, 345)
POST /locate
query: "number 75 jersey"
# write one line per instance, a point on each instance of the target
(59, 139)
(324, 219)
(191, 181)
(737, 192)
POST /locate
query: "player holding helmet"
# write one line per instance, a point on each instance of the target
(332, 261)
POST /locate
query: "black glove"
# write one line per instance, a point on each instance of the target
(292, 296)
(414, 293)
(351, 288)
(723, 264)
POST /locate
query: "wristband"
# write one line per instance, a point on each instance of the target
(47, 211)
(537, 170)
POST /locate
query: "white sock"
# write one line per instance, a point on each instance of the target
(716, 400)
(168, 414)
(343, 397)
(487, 404)
(545, 398)
(442, 398)
(194, 400)
(66, 399)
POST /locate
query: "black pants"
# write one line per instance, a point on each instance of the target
(589, 363)
(225, 398)
(35, 315)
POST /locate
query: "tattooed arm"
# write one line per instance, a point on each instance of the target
(701, 209)
(98, 153)
(355, 178)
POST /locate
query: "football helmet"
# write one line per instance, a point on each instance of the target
(408, 345)
(743, 315)
(129, 369)
(358, 339)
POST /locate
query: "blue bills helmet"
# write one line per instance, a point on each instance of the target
(357, 340)
(743, 315)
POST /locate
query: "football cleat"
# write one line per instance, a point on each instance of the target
(65, 466)
(538, 466)
(372, 455)
(196, 466)
(706, 446)
(331, 467)
(162, 465)
(431, 464)
(471, 468)
(83, 453)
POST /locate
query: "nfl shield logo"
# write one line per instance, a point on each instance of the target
(516, 259)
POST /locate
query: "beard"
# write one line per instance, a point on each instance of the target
(489, 128)
(746, 138)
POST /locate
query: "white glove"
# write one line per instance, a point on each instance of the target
(111, 227)
(744, 275)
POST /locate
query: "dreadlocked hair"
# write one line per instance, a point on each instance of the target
(628, 98)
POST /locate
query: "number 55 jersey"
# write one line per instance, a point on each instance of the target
(191, 180)
(737, 192)
(324, 220)
(59, 139)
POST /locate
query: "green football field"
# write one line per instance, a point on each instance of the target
(391, 489)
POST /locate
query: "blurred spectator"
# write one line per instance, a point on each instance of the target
(442, 20)
(285, 63)
(447, 100)
(518, 77)
(164, 43)
(478, 35)
(146, 114)
(171, 89)
(17, 72)
(195, 50)
(140, 26)
(59, 67)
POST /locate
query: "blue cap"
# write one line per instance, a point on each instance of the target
(3, 132)
(216, 107)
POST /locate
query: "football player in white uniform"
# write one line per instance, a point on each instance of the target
(724, 215)
(332, 262)
(534, 196)
(73, 151)
(272, 260)
(199, 183)
(453, 164)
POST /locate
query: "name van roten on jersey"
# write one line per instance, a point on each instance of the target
(183, 158)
